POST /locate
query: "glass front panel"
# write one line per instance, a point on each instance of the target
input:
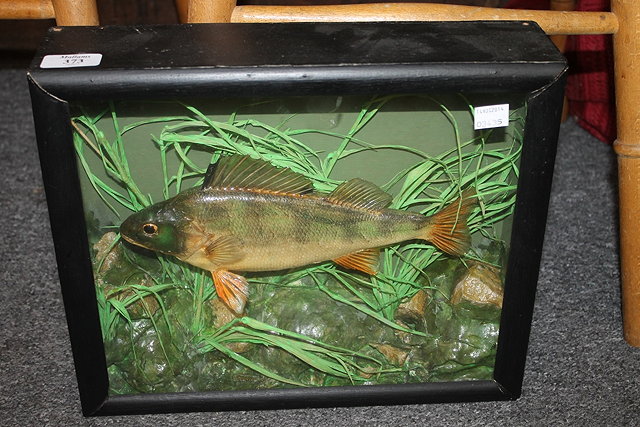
(362, 240)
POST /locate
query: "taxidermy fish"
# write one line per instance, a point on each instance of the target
(251, 216)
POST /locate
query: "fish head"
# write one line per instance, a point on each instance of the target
(157, 227)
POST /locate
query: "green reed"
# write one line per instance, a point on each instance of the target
(331, 360)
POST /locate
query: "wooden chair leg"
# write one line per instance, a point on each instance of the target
(560, 40)
(210, 10)
(627, 147)
(182, 7)
(77, 12)
(26, 9)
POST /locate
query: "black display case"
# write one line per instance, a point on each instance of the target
(126, 116)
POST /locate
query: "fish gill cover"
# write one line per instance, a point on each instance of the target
(425, 316)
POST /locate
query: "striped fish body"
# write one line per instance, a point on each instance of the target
(275, 231)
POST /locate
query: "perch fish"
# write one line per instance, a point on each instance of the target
(251, 216)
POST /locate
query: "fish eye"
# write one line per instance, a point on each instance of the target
(150, 229)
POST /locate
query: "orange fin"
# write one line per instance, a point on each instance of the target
(364, 261)
(448, 229)
(232, 289)
(243, 172)
(360, 193)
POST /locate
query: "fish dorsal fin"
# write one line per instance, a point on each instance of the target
(244, 172)
(360, 193)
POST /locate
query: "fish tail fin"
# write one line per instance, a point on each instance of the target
(447, 229)
(232, 289)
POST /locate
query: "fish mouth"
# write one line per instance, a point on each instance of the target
(131, 240)
(128, 239)
(135, 242)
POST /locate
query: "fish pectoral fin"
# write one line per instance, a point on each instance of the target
(365, 261)
(232, 289)
(222, 250)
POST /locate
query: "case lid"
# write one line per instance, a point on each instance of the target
(261, 59)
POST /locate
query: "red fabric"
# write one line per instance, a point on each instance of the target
(590, 89)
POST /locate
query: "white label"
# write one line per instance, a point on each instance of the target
(71, 60)
(491, 116)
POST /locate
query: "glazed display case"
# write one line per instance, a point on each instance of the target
(291, 215)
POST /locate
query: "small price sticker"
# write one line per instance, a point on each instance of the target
(491, 116)
(71, 60)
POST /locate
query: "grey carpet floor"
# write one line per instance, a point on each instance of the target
(579, 369)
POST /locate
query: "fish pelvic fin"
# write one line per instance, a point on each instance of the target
(232, 289)
(447, 229)
(365, 261)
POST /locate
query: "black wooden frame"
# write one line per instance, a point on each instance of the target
(223, 60)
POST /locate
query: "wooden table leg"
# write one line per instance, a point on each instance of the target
(627, 146)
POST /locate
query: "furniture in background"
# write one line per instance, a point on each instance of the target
(623, 22)
(65, 12)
